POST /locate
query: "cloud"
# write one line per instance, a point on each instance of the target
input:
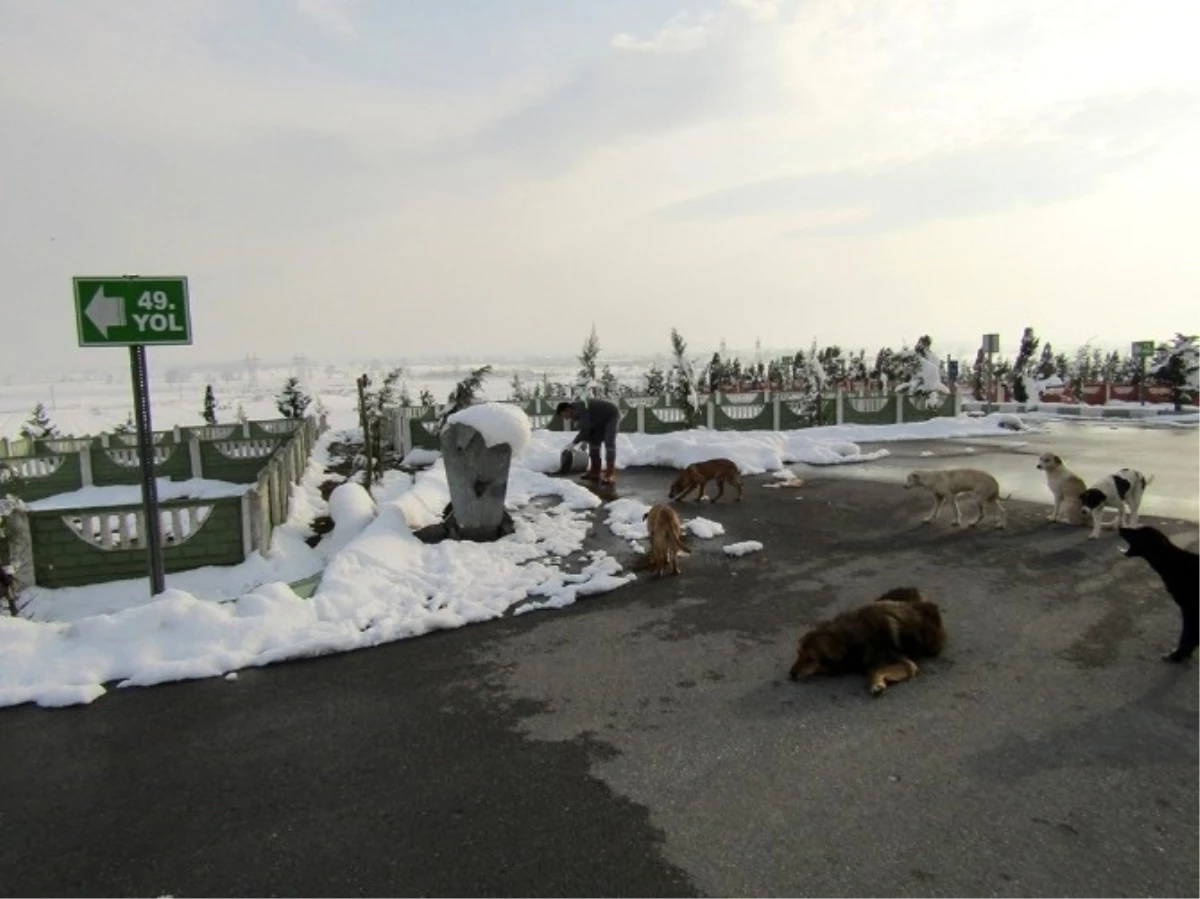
(336, 17)
(1049, 163)
(688, 72)
(682, 34)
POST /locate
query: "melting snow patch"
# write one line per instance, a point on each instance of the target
(743, 548)
(704, 528)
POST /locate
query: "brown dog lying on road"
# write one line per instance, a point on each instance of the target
(699, 474)
(879, 639)
(666, 538)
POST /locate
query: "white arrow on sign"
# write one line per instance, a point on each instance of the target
(105, 311)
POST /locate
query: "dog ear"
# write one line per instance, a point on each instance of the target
(1057, 460)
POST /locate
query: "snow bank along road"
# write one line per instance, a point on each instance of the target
(647, 741)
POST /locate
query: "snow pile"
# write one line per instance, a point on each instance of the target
(626, 519)
(704, 528)
(419, 457)
(497, 423)
(743, 548)
(754, 452)
(352, 509)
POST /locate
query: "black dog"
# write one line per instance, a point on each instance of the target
(1180, 571)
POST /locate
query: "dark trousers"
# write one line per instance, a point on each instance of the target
(605, 436)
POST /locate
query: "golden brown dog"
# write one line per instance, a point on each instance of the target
(666, 538)
(699, 474)
(879, 639)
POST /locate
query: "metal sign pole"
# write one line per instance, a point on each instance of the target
(145, 442)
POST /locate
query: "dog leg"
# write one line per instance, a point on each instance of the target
(933, 513)
(1053, 516)
(739, 487)
(700, 497)
(979, 517)
(891, 674)
(1001, 516)
(720, 490)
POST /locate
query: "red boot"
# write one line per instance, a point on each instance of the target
(593, 472)
(610, 477)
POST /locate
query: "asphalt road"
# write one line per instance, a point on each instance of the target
(648, 742)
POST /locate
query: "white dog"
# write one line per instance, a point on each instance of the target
(950, 483)
(1066, 486)
(1122, 491)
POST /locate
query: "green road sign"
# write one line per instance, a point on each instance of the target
(132, 311)
(1143, 349)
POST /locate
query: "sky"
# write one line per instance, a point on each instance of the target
(449, 178)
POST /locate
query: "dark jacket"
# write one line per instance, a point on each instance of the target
(594, 418)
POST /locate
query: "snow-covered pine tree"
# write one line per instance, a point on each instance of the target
(1112, 368)
(292, 400)
(209, 412)
(1023, 367)
(716, 373)
(608, 383)
(464, 393)
(1045, 367)
(426, 397)
(516, 390)
(39, 425)
(979, 374)
(586, 379)
(128, 426)
(656, 381)
(1177, 365)
(684, 393)
(921, 374)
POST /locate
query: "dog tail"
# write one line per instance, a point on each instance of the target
(1146, 480)
(1006, 496)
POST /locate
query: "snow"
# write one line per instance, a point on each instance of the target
(743, 548)
(420, 457)
(131, 494)
(704, 528)
(497, 423)
(378, 582)
(352, 509)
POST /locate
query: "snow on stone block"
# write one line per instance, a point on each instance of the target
(704, 528)
(497, 423)
(743, 548)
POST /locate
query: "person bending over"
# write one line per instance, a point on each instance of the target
(598, 422)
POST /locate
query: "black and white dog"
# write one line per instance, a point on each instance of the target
(1122, 491)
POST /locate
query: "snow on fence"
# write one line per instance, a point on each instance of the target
(410, 427)
(180, 454)
(70, 547)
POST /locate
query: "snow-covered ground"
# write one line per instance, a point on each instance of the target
(379, 582)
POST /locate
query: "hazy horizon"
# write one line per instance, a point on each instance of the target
(348, 179)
